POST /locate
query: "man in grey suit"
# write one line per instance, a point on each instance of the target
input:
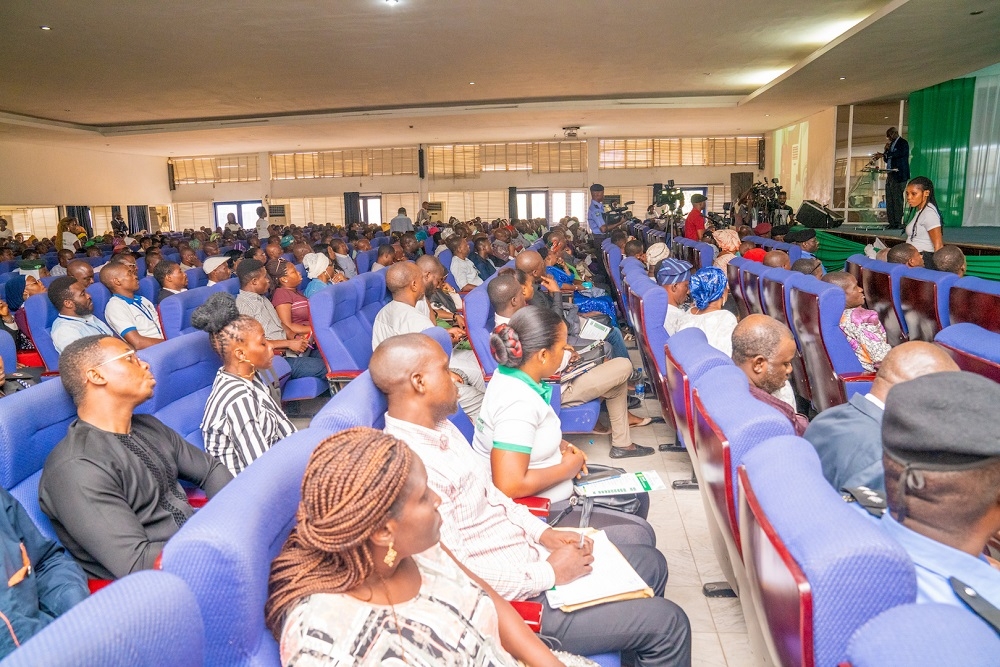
(848, 437)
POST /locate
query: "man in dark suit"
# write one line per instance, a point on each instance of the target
(848, 437)
(897, 156)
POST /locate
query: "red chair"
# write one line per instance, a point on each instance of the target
(880, 280)
(923, 298)
(773, 296)
(976, 301)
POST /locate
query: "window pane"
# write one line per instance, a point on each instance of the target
(558, 205)
(522, 206)
(578, 206)
(374, 208)
(537, 204)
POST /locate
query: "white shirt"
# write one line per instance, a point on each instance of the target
(135, 314)
(515, 417)
(262, 228)
(376, 267)
(397, 318)
(233, 226)
(66, 329)
(6, 233)
(57, 271)
(464, 272)
(718, 326)
(500, 319)
(672, 322)
(918, 231)
(69, 240)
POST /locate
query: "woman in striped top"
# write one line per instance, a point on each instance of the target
(243, 415)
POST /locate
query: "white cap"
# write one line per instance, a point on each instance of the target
(212, 263)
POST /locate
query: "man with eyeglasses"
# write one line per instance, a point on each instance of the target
(112, 486)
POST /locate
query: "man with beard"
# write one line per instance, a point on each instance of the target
(76, 318)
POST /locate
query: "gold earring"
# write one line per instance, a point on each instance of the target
(390, 555)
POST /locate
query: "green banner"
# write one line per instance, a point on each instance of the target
(939, 127)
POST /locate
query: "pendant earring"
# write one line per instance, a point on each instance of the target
(390, 556)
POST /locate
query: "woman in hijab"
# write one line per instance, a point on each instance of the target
(729, 243)
(321, 273)
(16, 292)
(709, 289)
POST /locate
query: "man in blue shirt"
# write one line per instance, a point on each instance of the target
(595, 215)
(941, 453)
(76, 318)
(897, 161)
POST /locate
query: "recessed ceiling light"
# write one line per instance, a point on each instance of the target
(767, 115)
(45, 27)
(843, 78)
(472, 83)
(887, 118)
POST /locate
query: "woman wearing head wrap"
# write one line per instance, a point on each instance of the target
(321, 273)
(16, 292)
(729, 243)
(709, 289)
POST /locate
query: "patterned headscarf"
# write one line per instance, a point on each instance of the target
(707, 285)
(727, 240)
(14, 291)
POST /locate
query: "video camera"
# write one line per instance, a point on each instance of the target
(614, 214)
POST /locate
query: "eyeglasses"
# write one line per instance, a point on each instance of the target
(130, 356)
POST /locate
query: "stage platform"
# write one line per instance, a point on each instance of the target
(972, 240)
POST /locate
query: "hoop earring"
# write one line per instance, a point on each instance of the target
(253, 369)
(390, 555)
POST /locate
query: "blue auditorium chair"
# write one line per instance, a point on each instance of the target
(734, 274)
(147, 618)
(687, 357)
(880, 281)
(924, 298)
(750, 274)
(374, 295)
(973, 348)
(929, 635)
(774, 299)
(651, 311)
(149, 288)
(8, 352)
(343, 338)
(728, 423)
(175, 310)
(817, 568)
(40, 314)
(140, 266)
(100, 295)
(613, 259)
(196, 277)
(32, 423)
(224, 552)
(185, 369)
(365, 259)
(632, 263)
(976, 301)
(835, 374)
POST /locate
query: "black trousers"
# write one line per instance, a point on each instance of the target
(894, 201)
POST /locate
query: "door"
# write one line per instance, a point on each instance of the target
(245, 212)
(532, 204)
(371, 209)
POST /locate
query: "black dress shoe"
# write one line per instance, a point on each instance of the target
(622, 453)
(634, 403)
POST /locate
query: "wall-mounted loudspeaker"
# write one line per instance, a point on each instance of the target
(420, 162)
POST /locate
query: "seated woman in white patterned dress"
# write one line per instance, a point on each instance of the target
(362, 580)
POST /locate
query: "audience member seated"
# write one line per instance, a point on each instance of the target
(12, 382)
(514, 552)
(709, 288)
(292, 307)
(942, 471)
(481, 258)
(243, 416)
(412, 248)
(321, 272)
(217, 269)
(848, 437)
(65, 257)
(366, 553)
(463, 270)
(254, 284)
(950, 259)
(763, 348)
(128, 313)
(76, 317)
(904, 253)
(44, 580)
(763, 230)
(189, 259)
(633, 248)
(777, 259)
(729, 244)
(405, 282)
(386, 257)
(502, 248)
(17, 290)
(809, 267)
(172, 278)
(111, 486)
(674, 276)
(655, 254)
(862, 327)
(82, 271)
(342, 259)
(754, 254)
(806, 240)
(778, 232)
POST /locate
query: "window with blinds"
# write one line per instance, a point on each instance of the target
(393, 201)
(485, 204)
(559, 157)
(641, 195)
(454, 160)
(679, 152)
(37, 220)
(507, 157)
(718, 195)
(193, 215)
(221, 169)
(344, 163)
(302, 211)
(393, 162)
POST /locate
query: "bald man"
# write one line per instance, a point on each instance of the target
(405, 281)
(499, 540)
(131, 315)
(904, 253)
(848, 437)
(82, 271)
(764, 348)
(777, 259)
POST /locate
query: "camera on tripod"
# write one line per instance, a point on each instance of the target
(616, 212)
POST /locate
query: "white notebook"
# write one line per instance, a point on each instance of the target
(612, 577)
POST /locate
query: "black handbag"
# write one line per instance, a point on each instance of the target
(623, 502)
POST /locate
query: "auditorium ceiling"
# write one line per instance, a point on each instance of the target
(195, 77)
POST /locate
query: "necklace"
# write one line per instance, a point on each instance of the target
(395, 621)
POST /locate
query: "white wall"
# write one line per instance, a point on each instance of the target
(809, 175)
(43, 174)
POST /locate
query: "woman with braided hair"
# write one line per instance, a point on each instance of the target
(362, 579)
(243, 415)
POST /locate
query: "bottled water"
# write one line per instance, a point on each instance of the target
(640, 388)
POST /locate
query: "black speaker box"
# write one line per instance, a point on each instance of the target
(813, 214)
(420, 162)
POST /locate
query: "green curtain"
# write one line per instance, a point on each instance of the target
(834, 251)
(939, 127)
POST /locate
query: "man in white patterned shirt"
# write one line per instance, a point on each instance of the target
(516, 553)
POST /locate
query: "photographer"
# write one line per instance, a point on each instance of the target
(694, 224)
(599, 228)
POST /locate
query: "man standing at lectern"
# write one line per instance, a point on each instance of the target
(897, 161)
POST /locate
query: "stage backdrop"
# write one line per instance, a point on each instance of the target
(954, 130)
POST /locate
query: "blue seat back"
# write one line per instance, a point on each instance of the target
(100, 296)
(688, 356)
(734, 275)
(923, 300)
(148, 618)
(140, 266)
(811, 592)
(224, 552)
(184, 368)
(8, 352)
(479, 322)
(614, 257)
(880, 280)
(750, 277)
(344, 340)
(973, 348)
(175, 310)
(196, 278)
(931, 635)
(40, 313)
(149, 288)
(976, 301)
(32, 422)
(374, 295)
(365, 259)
